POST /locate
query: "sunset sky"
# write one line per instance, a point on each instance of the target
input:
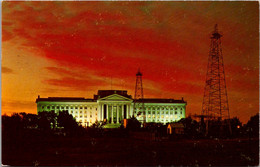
(73, 49)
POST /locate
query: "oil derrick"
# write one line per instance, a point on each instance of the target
(215, 101)
(139, 96)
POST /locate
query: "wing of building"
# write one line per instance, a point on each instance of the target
(113, 106)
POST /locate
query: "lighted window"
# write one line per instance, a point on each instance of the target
(149, 116)
(158, 116)
(166, 116)
(162, 116)
(153, 116)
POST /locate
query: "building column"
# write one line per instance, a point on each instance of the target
(160, 114)
(108, 115)
(107, 112)
(131, 109)
(102, 112)
(112, 110)
(146, 114)
(122, 112)
(99, 116)
(183, 112)
(117, 113)
(156, 116)
(164, 117)
(127, 110)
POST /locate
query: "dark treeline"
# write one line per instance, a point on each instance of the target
(63, 124)
(197, 129)
(28, 137)
(45, 124)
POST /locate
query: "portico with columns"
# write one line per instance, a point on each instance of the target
(114, 108)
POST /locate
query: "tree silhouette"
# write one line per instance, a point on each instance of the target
(133, 124)
(65, 120)
(12, 126)
(47, 120)
(252, 126)
(191, 127)
(236, 126)
(29, 120)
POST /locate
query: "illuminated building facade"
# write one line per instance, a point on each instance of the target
(113, 106)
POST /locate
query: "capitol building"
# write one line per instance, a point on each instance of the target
(113, 106)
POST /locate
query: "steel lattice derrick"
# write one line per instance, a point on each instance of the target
(215, 99)
(139, 96)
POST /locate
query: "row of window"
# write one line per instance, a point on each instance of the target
(158, 112)
(163, 108)
(85, 121)
(67, 107)
(80, 112)
(158, 116)
(85, 107)
(85, 115)
(161, 120)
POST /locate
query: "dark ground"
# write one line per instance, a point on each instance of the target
(122, 151)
